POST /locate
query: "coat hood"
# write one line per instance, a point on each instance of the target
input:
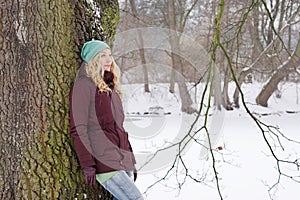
(81, 71)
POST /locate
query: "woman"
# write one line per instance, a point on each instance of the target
(96, 124)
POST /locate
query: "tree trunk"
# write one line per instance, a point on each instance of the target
(141, 47)
(257, 46)
(186, 100)
(109, 19)
(126, 23)
(40, 43)
(173, 41)
(225, 97)
(287, 67)
(241, 79)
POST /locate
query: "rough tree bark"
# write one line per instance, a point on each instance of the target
(40, 43)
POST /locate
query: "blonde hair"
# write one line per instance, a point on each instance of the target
(96, 73)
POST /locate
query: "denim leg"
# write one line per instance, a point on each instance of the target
(130, 174)
(122, 187)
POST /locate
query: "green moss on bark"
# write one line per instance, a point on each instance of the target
(37, 156)
(110, 17)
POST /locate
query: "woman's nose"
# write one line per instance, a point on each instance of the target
(108, 59)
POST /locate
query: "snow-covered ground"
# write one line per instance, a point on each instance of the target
(245, 166)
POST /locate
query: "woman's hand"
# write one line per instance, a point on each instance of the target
(90, 175)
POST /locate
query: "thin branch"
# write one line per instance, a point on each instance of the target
(261, 126)
(189, 10)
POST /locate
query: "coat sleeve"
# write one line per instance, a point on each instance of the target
(79, 113)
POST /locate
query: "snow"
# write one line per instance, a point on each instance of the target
(245, 166)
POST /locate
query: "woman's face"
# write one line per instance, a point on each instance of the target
(106, 59)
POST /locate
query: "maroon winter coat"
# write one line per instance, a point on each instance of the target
(96, 125)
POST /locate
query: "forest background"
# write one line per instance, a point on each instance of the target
(210, 42)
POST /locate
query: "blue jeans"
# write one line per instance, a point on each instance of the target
(122, 186)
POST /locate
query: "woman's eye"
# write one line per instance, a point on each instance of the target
(104, 55)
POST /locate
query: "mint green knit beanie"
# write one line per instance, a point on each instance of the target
(91, 48)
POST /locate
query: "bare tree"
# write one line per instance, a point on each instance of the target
(269, 132)
(268, 54)
(242, 40)
(176, 62)
(286, 68)
(141, 46)
(158, 17)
